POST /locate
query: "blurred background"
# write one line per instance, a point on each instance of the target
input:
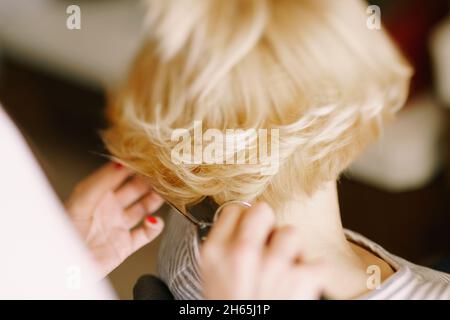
(54, 82)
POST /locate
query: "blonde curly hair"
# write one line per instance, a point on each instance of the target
(310, 68)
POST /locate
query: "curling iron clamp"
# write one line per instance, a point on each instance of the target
(205, 213)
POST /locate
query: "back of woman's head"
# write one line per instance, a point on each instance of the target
(311, 69)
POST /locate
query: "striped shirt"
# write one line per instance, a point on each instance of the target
(178, 267)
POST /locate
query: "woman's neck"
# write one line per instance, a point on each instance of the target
(322, 238)
(318, 220)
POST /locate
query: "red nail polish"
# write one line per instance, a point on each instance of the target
(118, 166)
(152, 219)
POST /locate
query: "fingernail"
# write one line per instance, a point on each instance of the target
(118, 166)
(152, 219)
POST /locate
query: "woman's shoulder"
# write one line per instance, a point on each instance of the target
(409, 281)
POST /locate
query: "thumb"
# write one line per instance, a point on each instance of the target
(147, 232)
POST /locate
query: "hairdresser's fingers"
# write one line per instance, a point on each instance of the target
(308, 281)
(279, 256)
(152, 202)
(147, 205)
(108, 177)
(255, 225)
(223, 228)
(146, 233)
(132, 190)
(91, 189)
(283, 247)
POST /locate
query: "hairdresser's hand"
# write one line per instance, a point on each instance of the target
(245, 257)
(108, 209)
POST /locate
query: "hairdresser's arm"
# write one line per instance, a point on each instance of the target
(246, 257)
(111, 210)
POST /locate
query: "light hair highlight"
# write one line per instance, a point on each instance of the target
(309, 68)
